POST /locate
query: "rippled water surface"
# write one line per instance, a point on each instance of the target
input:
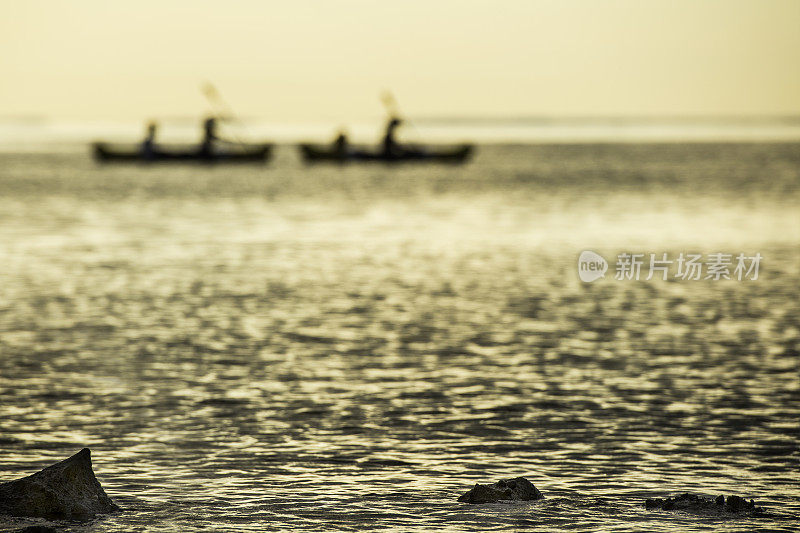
(323, 348)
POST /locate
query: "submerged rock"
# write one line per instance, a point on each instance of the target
(518, 488)
(67, 489)
(692, 503)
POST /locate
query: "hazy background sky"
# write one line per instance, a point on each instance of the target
(329, 59)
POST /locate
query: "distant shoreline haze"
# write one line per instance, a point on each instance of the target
(34, 132)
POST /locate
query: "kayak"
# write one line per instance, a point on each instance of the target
(231, 153)
(313, 153)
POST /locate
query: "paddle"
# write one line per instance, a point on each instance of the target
(222, 109)
(393, 110)
(389, 103)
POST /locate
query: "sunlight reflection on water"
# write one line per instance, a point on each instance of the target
(339, 348)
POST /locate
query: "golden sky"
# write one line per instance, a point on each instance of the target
(329, 59)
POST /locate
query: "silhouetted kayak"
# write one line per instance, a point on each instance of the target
(324, 152)
(245, 153)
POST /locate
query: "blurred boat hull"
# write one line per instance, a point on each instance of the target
(133, 153)
(316, 153)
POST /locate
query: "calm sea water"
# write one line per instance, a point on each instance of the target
(325, 348)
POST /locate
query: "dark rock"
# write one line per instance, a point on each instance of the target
(37, 529)
(67, 489)
(735, 504)
(691, 503)
(518, 488)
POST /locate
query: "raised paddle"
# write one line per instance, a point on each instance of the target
(393, 110)
(222, 109)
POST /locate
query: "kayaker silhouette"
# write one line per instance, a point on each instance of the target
(148, 144)
(391, 148)
(209, 136)
(341, 143)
